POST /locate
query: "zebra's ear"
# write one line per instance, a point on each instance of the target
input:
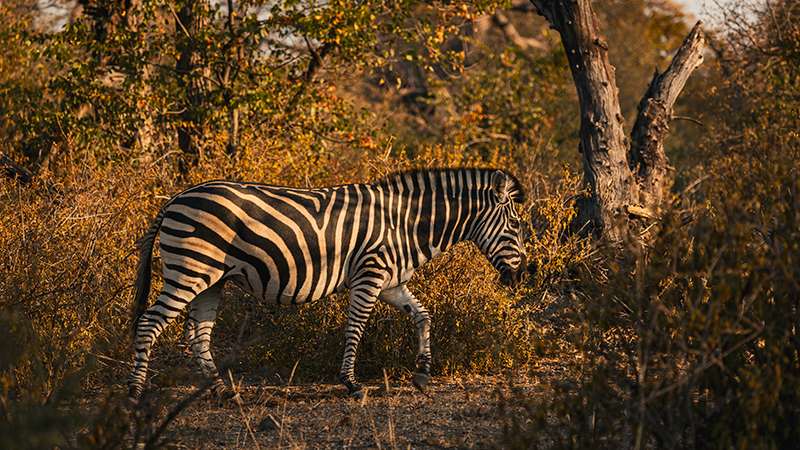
(500, 185)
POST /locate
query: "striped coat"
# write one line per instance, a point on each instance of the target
(293, 246)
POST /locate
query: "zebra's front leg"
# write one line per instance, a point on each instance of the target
(197, 329)
(404, 301)
(362, 300)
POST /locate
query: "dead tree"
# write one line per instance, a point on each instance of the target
(623, 178)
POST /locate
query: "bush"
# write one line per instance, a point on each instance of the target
(475, 327)
(68, 268)
(66, 261)
(690, 343)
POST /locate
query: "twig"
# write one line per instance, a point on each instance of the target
(106, 358)
(690, 119)
(392, 437)
(285, 401)
(241, 410)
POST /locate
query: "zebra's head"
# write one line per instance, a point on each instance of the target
(502, 237)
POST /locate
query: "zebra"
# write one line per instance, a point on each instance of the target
(293, 245)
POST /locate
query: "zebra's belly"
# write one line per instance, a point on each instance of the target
(286, 294)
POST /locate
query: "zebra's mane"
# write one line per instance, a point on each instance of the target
(517, 191)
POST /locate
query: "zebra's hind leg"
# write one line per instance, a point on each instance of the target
(197, 329)
(150, 325)
(362, 301)
(404, 301)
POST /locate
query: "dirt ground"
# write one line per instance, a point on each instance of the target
(462, 412)
(459, 413)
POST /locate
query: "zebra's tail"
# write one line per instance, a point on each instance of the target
(143, 273)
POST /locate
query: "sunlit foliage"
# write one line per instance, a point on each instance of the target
(690, 342)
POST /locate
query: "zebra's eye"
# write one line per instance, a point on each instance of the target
(514, 222)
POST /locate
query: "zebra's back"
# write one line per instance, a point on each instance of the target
(278, 243)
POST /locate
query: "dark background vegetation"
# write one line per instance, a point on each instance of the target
(688, 342)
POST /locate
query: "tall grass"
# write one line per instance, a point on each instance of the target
(69, 261)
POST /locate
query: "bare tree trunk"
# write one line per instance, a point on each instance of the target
(647, 158)
(607, 178)
(227, 79)
(233, 136)
(620, 179)
(193, 79)
(145, 132)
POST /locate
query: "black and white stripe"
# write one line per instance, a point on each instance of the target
(294, 246)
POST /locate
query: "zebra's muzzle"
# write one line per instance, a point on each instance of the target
(513, 278)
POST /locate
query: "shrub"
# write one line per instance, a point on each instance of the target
(475, 326)
(69, 261)
(691, 344)
(65, 262)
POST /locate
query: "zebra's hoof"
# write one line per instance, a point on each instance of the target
(420, 381)
(220, 390)
(134, 394)
(222, 393)
(358, 394)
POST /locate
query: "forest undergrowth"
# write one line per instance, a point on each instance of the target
(683, 334)
(646, 347)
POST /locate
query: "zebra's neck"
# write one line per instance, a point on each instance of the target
(434, 210)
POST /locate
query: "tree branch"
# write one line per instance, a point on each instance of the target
(646, 157)
(316, 62)
(690, 119)
(511, 33)
(11, 169)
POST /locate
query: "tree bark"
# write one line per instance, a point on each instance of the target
(193, 78)
(228, 77)
(620, 179)
(145, 132)
(607, 179)
(648, 160)
(233, 131)
(11, 169)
